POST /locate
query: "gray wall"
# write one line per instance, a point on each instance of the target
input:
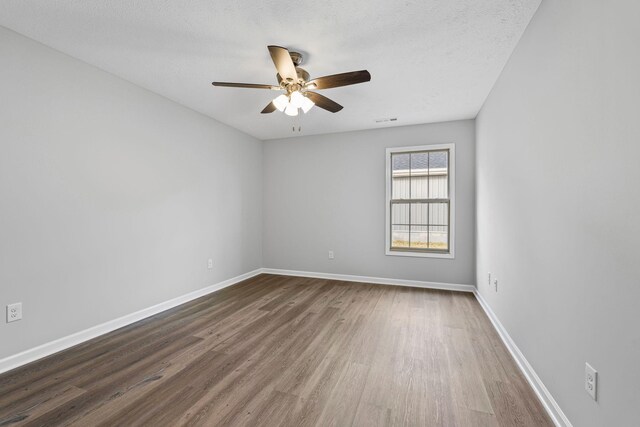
(564, 111)
(111, 198)
(328, 192)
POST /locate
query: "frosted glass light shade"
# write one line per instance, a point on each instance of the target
(291, 110)
(307, 104)
(281, 102)
(297, 99)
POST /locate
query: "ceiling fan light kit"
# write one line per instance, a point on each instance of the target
(296, 84)
(296, 99)
(281, 102)
(292, 102)
(307, 104)
(291, 110)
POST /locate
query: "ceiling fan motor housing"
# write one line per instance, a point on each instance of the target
(303, 76)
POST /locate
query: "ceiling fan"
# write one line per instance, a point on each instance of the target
(295, 83)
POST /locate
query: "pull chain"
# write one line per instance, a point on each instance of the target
(297, 126)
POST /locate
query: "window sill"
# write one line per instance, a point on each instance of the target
(449, 255)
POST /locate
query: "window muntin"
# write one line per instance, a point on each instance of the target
(418, 200)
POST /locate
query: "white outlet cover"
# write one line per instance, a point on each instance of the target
(591, 381)
(210, 263)
(14, 312)
(331, 256)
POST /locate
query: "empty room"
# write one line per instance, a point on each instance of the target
(338, 213)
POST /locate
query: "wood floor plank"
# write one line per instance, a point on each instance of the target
(273, 409)
(509, 409)
(285, 351)
(46, 404)
(466, 417)
(369, 415)
(195, 388)
(466, 381)
(241, 393)
(107, 384)
(342, 404)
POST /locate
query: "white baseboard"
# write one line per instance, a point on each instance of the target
(549, 403)
(376, 280)
(60, 344)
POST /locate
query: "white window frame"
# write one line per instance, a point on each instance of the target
(452, 202)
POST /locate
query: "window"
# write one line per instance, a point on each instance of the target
(420, 201)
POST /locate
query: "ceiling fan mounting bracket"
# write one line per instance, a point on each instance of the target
(296, 57)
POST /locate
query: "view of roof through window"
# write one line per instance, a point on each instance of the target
(422, 160)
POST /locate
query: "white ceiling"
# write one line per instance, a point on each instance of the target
(430, 60)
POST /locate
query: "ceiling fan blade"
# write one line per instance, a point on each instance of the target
(343, 79)
(284, 64)
(270, 108)
(246, 85)
(324, 102)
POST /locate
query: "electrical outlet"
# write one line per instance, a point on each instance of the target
(14, 312)
(591, 381)
(210, 264)
(331, 255)
(495, 284)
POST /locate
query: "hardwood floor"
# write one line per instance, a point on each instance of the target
(285, 351)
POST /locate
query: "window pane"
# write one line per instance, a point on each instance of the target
(400, 161)
(420, 161)
(400, 176)
(438, 186)
(438, 174)
(420, 175)
(419, 237)
(439, 238)
(439, 160)
(399, 236)
(419, 185)
(438, 214)
(400, 187)
(400, 213)
(419, 213)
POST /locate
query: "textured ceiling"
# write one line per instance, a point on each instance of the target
(430, 60)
